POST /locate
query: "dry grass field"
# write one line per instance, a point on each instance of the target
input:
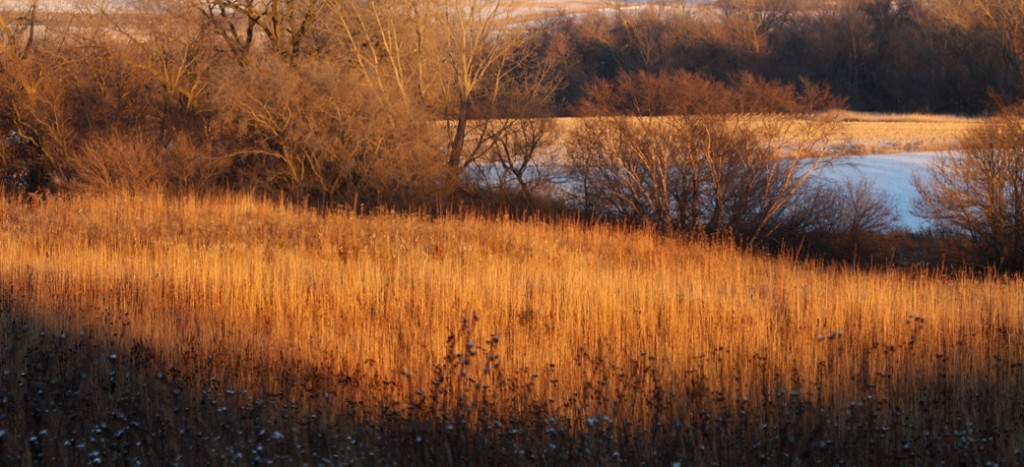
(862, 133)
(526, 11)
(869, 133)
(226, 329)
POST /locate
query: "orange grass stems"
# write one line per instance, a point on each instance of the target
(592, 323)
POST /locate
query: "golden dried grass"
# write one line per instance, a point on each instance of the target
(273, 288)
(867, 133)
(859, 133)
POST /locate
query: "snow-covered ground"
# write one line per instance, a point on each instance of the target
(64, 5)
(42, 5)
(892, 175)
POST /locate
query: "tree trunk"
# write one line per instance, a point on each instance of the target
(459, 140)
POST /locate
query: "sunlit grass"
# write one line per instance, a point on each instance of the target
(582, 320)
(859, 133)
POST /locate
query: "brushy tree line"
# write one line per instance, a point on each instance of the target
(946, 56)
(422, 103)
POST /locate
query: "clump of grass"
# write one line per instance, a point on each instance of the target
(463, 339)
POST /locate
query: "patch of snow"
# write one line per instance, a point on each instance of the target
(892, 174)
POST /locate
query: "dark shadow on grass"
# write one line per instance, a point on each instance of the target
(75, 399)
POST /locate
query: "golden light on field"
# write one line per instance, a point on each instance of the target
(281, 232)
(863, 133)
(560, 307)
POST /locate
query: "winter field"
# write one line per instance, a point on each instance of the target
(138, 328)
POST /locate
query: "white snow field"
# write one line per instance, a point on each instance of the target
(892, 175)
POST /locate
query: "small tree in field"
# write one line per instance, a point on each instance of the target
(978, 191)
(701, 169)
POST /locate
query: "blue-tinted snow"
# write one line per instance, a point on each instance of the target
(892, 175)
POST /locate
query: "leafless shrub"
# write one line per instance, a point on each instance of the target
(977, 191)
(521, 157)
(115, 161)
(643, 93)
(59, 96)
(135, 162)
(310, 131)
(638, 167)
(848, 219)
(704, 173)
(750, 93)
(193, 164)
(39, 132)
(862, 210)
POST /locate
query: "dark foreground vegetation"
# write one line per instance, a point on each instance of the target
(77, 401)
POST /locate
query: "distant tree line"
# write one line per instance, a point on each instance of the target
(940, 56)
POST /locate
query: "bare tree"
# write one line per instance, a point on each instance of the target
(754, 20)
(523, 152)
(699, 172)
(480, 49)
(645, 32)
(392, 45)
(977, 191)
(1003, 18)
(284, 26)
(466, 60)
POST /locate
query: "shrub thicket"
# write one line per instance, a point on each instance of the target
(977, 192)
